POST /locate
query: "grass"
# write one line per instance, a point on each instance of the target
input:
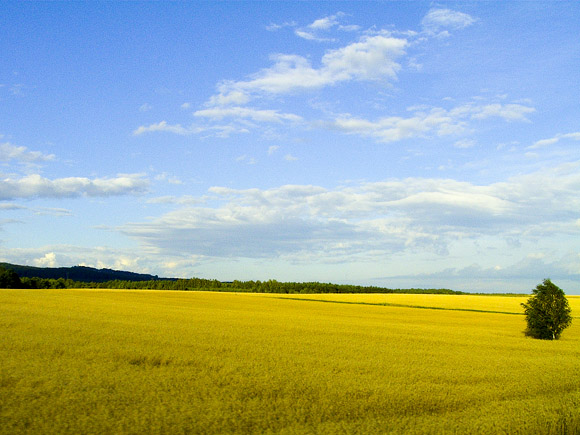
(133, 362)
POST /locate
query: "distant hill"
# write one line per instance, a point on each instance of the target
(79, 273)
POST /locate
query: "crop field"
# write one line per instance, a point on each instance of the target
(137, 362)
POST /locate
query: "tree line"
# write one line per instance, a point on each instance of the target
(10, 279)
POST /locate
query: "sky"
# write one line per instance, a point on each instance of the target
(386, 143)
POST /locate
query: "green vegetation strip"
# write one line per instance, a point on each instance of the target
(422, 307)
(388, 304)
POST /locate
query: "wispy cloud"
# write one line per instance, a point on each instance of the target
(52, 211)
(508, 112)
(319, 27)
(164, 127)
(326, 22)
(247, 159)
(273, 27)
(22, 154)
(391, 129)
(218, 113)
(9, 206)
(14, 89)
(240, 119)
(171, 179)
(232, 97)
(428, 121)
(465, 143)
(553, 140)
(36, 186)
(439, 20)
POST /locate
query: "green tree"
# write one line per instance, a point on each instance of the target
(9, 279)
(547, 312)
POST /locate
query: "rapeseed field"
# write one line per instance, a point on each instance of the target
(138, 362)
(477, 303)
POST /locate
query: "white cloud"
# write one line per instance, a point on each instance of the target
(305, 35)
(440, 19)
(257, 115)
(290, 158)
(162, 126)
(289, 73)
(395, 128)
(551, 141)
(381, 217)
(230, 97)
(544, 142)
(240, 119)
(145, 107)
(98, 257)
(36, 186)
(508, 112)
(272, 149)
(22, 154)
(48, 260)
(428, 121)
(171, 179)
(325, 23)
(314, 30)
(317, 28)
(372, 58)
(218, 130)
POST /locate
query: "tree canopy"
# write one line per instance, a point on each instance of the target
(547, 312)
(9, 279)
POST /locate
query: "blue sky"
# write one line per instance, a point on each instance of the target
(398, 144)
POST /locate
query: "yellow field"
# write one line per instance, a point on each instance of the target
(88, 361)
(484, 303)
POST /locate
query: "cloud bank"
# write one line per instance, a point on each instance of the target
(379, 217)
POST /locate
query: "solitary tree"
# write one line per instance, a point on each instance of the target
(547, 312)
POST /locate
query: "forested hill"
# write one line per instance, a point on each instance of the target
(79, 273)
